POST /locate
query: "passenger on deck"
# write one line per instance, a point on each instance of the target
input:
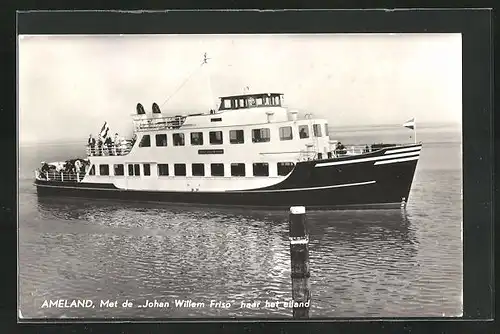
(340, 149)
(99, 146)
(117, 143)
(109, 143)
(91, 143)
(366, 149)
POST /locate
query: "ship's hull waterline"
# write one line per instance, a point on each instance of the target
(376, 180)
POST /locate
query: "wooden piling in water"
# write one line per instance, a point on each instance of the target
(299, 254)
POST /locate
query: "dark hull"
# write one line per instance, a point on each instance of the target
(361, 185)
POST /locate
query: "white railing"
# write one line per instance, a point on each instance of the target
(61, 176)
(112, 150)
(159, 123)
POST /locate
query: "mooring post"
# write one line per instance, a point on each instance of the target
(299, 254)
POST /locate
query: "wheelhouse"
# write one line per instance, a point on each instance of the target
(251, 101)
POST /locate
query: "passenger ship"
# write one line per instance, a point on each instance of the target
(251, 151)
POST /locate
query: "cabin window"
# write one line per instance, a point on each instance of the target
(303, 131)
(119, 171)
(162, 169)
(237, 169)
(161, 140)
(261, 169)
(217, 169)
(265, 100)
(134, 170)
(242, 103)
(226, 104)
(103, 169)
(198, 169)
(178, 139)
(92, 170)
(284, 168)
(180, 169)
(145, 141)
(286, 133)
(259, 101)
(261, 135)
(196, 138)
(219, 119)
(326, 130)
(147, 169)
(215, 137)
(317, 130)
(236, 137)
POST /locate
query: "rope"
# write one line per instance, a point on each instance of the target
(182, 85)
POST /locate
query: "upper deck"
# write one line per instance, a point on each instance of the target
(157, 121)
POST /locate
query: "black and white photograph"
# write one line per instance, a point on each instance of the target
(235, 176)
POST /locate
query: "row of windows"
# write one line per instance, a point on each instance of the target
(235, 136)
(216, 169)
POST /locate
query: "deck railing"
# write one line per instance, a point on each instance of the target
(61, 176)
(159, 123)
(112, 150)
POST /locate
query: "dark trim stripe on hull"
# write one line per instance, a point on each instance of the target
(356, 182)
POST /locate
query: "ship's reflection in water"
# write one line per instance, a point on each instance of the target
(362, 262)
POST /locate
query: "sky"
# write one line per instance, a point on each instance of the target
(69, 85)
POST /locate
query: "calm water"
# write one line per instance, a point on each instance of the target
(363, 263)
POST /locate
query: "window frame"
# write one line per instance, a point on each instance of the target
(159, 169)
(116, 167)
(175, 170)
(234, 164)
(242, 136)
(266, 164)
(282, 138)
(218, 165)
(308, 132)
(157, 140)
(145, 141)
(200, 138)
(178, 135)
(211, 133)
(262, 139)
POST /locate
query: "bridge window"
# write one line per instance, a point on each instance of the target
(178, 139)
(145, 141)
(196, 138)
(119, 170)
(103, 169)
(92, 170)
(286, 133)
(215, 137)
(326, 130)
(198, 169)
(217, 169)
(261, 135)
(147, 169)
(180, 169)
(161, 140)
(261, 169)
(237, 169)
(317, 130)
(226, 104)
(236, 137)
(303, 131)
(284, 168)
(162, 169)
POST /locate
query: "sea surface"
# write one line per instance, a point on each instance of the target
(386, 263)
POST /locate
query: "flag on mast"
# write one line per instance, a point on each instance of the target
(412, 125)
(104, 130)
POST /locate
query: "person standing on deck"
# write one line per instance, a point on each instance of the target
(99, 146)
(91, 143)
(116, 144)
(109, 143)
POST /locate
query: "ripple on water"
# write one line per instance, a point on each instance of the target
(367, 263)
